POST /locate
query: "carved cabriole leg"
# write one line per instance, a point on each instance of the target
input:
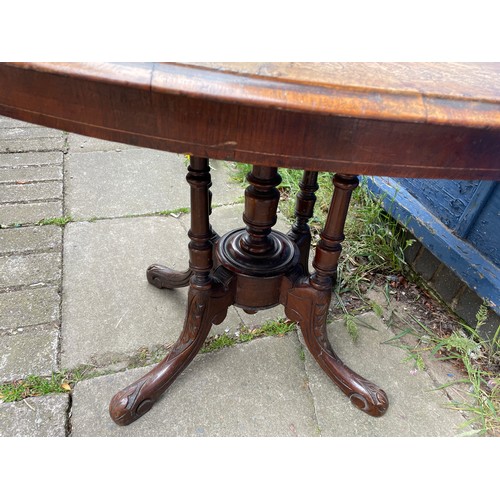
(205, 307)
(208, 301)
(307, 300)
(304, 210)
(164, 277)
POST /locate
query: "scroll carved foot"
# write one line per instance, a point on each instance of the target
(164, 277)
(205, 307)
(309, 307)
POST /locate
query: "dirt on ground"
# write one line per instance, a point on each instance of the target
(420, 322)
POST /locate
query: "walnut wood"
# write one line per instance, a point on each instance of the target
(329, 248)
(304, 210)
(257, 255)
(307, 299)
(200, 233)
(308, 306)
(208, 301)
(206, 306)
(261, 204)
(402, 120)
(164, 277)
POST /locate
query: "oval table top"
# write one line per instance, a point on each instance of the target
(428, 120)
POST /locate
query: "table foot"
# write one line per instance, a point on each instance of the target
(164, 277)
(205, 307)
(308, 306)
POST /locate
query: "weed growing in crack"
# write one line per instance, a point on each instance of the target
(271, 328)
(56, 221)
(477, 356)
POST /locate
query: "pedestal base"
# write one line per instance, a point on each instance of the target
(254, 268)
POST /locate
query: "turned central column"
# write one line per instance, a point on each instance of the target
(257, 255)
(261, 205)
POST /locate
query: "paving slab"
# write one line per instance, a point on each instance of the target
(23, 139)
(416, 408)
(254, 389)
(132, 182)
(6, 122)
(110, 311)
(24, 175)
(29, 213)
(31, 306)
(31, 191)
(81, 143)
(17, 270)
(20, 161)
(23, 240)
(31, 351)
(44, 416)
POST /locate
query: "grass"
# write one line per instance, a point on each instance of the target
(176, 211)
(375, 242)
(56, 221)
(271, 328)
(375, 245)
(57, 382)
(478, 358)
(62, 221)
(34, 385)
(63, 382)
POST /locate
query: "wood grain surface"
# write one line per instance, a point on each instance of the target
(398, 119)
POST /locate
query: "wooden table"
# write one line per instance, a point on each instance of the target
(402, 120)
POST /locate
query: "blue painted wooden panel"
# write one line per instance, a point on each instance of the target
(458, 221)
(447, 200)
(484, 234)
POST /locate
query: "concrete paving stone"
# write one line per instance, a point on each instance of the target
(110, 311)
(134, 181)
(32, 306)
(224, 190)
(30, 239)
(81, 143)
(29, 213)
(44, 416)
(253, 389)
(6, 122)
(16, 270)
(32, 159)
(33, 191)
(31, 351)
(24, 139)
(23, 175)
(415, 407)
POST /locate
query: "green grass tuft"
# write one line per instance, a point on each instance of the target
(272, 328)
(466, 347)
(56, 221)
(33, 385)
